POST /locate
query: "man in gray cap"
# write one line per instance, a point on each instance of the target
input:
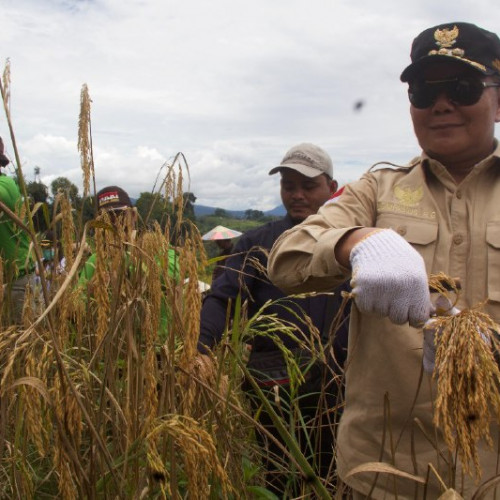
(391, 230)
(306, 183)
(306, 180)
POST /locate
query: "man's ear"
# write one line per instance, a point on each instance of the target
(333, 186)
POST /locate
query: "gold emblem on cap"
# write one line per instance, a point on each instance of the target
(445, 39)
(408, 196)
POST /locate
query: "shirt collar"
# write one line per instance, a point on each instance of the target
(486, 162)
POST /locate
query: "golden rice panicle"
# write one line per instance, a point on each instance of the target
(67, 230)
(161, 239)
(6, 86)
(77, 313)
(101, 277)
(468, 378)
(64, 305)
(67, 487)
(29, 307)
(151, 293)
(10, 351)
(37, 421)
(84, 139)
(150, 398)
(158, 474)
(149, 262)
(192, 298)
(442, 284)
(179, 198)
(169, 183)
(74, 418)
(198, 452)
(174, 190)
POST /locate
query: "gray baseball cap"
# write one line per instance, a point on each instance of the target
(307, 159)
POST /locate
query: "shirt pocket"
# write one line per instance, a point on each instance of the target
(493, 241)
(421, 234)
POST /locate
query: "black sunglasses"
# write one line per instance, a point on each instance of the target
(463, 91)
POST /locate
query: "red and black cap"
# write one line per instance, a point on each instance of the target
(113, 198)
(464, 43)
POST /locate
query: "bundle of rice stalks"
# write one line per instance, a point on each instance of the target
(195, 447)
(468, 377)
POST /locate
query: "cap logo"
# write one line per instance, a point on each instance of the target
(109, 197)
(304, 159)
(445, 39)
(300, 156)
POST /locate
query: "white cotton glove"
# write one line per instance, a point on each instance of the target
(389, 278)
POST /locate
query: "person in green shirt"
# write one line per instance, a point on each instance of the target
(17, 265)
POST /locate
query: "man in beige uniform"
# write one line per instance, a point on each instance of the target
(392, 229)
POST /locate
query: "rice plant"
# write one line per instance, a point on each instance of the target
(104, 395)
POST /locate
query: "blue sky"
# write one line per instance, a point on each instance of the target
(230, 84)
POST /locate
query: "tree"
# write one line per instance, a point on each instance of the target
(88, 209)
(37, 190)
(220, 212)
(153, 207)
(251, 214)
(64, 184)
(189, 199)
(38, 193)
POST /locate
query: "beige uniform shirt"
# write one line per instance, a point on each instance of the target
(456, 228)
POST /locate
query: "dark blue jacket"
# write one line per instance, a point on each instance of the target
(241, 274)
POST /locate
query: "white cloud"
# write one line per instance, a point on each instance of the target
(231, 84)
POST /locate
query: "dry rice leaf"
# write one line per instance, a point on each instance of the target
(34, 382)
(384, 468)
(486, 488)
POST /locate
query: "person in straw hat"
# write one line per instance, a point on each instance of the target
(388, 233)
(223, 238)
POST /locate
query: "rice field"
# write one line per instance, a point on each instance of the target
(102, 391)
(104, 395)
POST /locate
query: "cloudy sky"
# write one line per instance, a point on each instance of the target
(230, 84)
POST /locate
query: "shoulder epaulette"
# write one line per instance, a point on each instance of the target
(393, 166)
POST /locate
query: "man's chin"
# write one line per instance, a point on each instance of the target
(298, 215)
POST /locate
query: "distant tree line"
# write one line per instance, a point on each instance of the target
(250, 214)
(151, 207)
